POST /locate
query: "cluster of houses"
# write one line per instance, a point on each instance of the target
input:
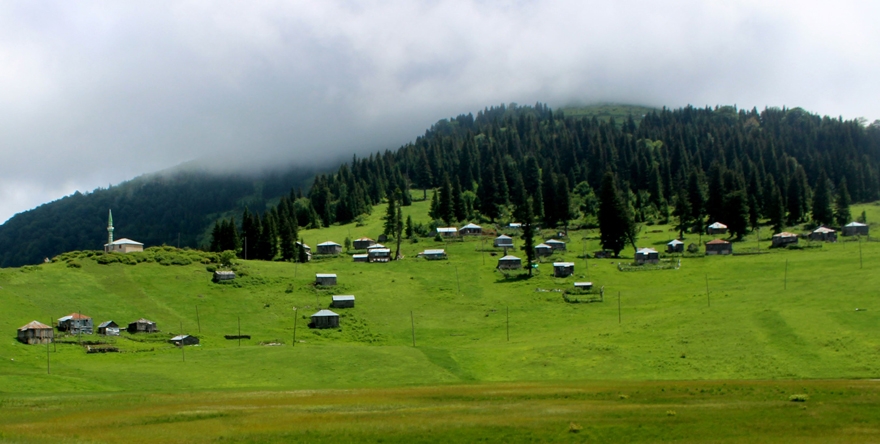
(76, 323)
(328, 318)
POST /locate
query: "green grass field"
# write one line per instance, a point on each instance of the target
(784, 316)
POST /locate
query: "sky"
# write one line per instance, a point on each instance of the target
(94, 93)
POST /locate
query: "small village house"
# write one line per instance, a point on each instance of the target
(447, 231)
(35, 332)
(717, 228)
(223, 275)
(557, 245)
(783, 239)
(325, 279)
(108, 328)
(374, 246)
(824, 234)
(142, 326)
(343, 301)
(362, 257)
(325, 319)
(509, 263)
(433, 254)
(329, 247)
(647, 256)
(471, 230)
(543, 250)
(675, 246)
(379, 254)
(503, 242)
(307, 248)
(123, 246)
(563, 269)
(181, 340)
(76, 323)
(855, 229)
(585, 286)
(362, 243)
(718, 246)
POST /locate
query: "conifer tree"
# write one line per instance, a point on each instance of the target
(391, 215)
(775, 208)
(697, 199)
(737, 213)
(841, 205)
(613, 219)
(302, 254)
(409, 227)
(822, 213)
(434, 210)
(682, 211)
(458, 207)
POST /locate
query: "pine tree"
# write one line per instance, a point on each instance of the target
(682, 211)
(613, 219)
(434, 211)
(697, 199)
(458, 206)
(736, 213)
(822, 213)
(398, 230)
(391, 215)
(841, 205)
(447, 214)
(288, 241)
(216, 235)
(775, 208)
(302, 254)
(563, 202)
(409, 227)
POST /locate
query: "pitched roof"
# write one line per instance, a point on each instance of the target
(375, 246)
(124, 241)
(785, 234)
(471, 226)
(856, 224)
(510, 258)
(717, 225)
(554, 241)
(717, 242)
(434, 252)
(106, 324)
(143, 321)
(646, 251)
(503, 237)
(563, 264)
(34, 325)
(542, 246)
(328, 244)
(823, 230)
(364, 239)
(583, 284)
(180, 337)
(325, 313)
(675, 242)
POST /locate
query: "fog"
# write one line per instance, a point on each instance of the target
(95, 93)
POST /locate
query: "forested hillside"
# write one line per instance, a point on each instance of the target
(153, 209)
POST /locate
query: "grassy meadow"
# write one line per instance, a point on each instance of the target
(772, 324)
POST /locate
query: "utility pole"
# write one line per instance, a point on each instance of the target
(708, 301)
(413, 321)
(295, 318)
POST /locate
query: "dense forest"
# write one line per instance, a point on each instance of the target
(163, 208)
(690, 166)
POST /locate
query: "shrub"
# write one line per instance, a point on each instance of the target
(800, 397)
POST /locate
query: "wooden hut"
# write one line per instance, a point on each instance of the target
(76, 323)
(379, 254)
(343, 301)
(223, 275)
(181, 340)
(35, 332)
(325, 279)
(543, 250)
(108, 328)
(675, 246)
(647, 256)
(509, 263)
(362, 243)
(471, 230)
(329, 247)
(364, 257)
(717, 228)
(563, 269)
(447, 231)
(503, 242)
(142, 326)
(824, 234)
(557, 245)
(855, 228)
(784, 239)
(433, 254)
(325, 319)
(719, 246)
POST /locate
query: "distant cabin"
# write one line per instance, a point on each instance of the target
(543, 250)
(855, 228)
(108, 328)
(35, 332)
(555, 244)
(224, 275)
(583, 285)
(447, 231)
(76, 323)
(325, 279)
(563, 269)
(824, 234)
(329, 248)
(783, 239)
(379, 254)
(647, 256)
(719, 246)
(325, 319)
(343, 301)
(717, 228)
(374, 246)
(123, 246)
(509, 263)
(362, 243)
(503, 241)
(514, 226)
(308, 250)
(364, 257)
(433, 254)
(181, 340)
(675, 246)
(142, 326)
(471, 230)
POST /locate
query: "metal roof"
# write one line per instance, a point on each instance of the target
(34, 325)
(380, 250)
(503, 237)
(514, 225)
(143, 321)
(717, 225)
(646, 250)
(360, 255)
(563, 264)
(583, 284)
(542, 246)
(374, 246)
(785, 234)
(323, 313)
(717, 242)
(343, 297)
(856, 224)
(364, 239)
(471, 226)
(434, 252)
(823, 230)
(325, 275)
(510, 258)
(328, 244)
(179, 337)
(105, 324)
(446, 229)
(554, 241)
(675, 242)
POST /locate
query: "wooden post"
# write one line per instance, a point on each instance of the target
(483, 251)
(48, 370)
(508, 323)
(785, 279)
(708, 301)
(457, 280)
(295, 264)
(413, 321)
(198, 320)
(182, 353)
(618, 308)
(239, 331)
(860, 251)
(295, 318)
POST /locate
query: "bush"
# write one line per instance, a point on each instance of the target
(800, 397)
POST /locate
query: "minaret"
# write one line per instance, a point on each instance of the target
(110, 228)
